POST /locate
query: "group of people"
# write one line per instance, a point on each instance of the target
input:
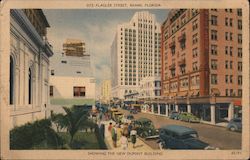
(122, 133)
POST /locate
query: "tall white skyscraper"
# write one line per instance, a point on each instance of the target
(135, 53)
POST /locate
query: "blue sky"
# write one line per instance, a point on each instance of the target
(96, 27)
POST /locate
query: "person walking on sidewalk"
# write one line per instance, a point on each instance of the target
(125, 130)
(124, 142)
(114, 136)
(133, 134)
(110, 127)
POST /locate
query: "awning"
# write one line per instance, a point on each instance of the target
(215, 91)
(183, 94)
(237, 103)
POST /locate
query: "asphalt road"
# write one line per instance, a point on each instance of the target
(213, 135)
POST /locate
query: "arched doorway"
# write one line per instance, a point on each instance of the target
(11, 81)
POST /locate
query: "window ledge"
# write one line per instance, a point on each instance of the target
(24, 110)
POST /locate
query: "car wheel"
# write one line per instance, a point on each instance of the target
(232, 129)
(161, 146)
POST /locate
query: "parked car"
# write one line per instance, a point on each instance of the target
(235, 124)
(188, 117)
(128, 119)
(180, 137)
(145, 127)
(133, 111)
(174, 115)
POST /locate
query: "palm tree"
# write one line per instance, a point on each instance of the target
(76, 118)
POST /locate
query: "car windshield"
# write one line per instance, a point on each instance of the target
(188, 136)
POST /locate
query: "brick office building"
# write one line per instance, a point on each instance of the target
(202, 62)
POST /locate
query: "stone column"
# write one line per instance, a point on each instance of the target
(212, 107)
(152, 108)
(230, 111)
(176, 108)
(189, 108)
(166, 110)
(159, 109)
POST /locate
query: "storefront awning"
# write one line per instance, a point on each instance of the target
(237, 103)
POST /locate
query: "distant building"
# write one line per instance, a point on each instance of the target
(29, 65)
(135, 53)
(71, 80)
(106, 91)
(150, 87)
(74, 47)
(202, 62)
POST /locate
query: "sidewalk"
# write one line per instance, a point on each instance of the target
(139, 146)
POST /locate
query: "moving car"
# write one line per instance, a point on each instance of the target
(235, 124)
(174, 115)
(188, 117)
(133, 111)
(145, 127)
(128, 119)
(118, 116)
(180, 137)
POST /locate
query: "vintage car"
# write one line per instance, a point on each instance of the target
(235, 124)
(118, 117)
(128, 119)
(180, 137)
(188, 117)
(145, 127)
(174, 115)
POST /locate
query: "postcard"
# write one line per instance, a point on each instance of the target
(99, 79)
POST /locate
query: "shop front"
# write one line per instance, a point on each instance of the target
(201, 111)
(162, 109)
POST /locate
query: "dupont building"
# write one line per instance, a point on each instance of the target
(135, 53)
(28, 66)
(202, 62)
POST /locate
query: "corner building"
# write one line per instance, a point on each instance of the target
(202, 62)
(135, 53)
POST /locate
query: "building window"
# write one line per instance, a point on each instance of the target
(231, 64)
(239, 38)
(226, 50)
(52, 72)
(195, 24)
(226, 78)
(214, 79)
(231, 36)
(231, 92)
(226, 92)
(195, 52)
(213, 34)
(195, 66)
(214, 49)
(79, 91)
(11, 85)
(195, 38)
(226, 36)
(214, 64)
(214, 20)
(231, 78)
(51, 91)
(30, 87)
(240, 52)
(239, 80)
(231, 51)
(240, 92)
(231, 22)
(239, 12)
(226, 64)
(239, 66)
(240, 24)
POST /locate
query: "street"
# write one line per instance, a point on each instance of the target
(215, 136)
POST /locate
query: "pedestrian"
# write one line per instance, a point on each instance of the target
(110, 127)
(124, 142)
(129, 129)
(125, 130)
(133, 134)
(114, 136)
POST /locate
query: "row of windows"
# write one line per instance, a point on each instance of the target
(228, 36)
(230, 92)
(228, 79)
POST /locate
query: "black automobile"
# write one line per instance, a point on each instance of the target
(180, 137)
(174, 115)
(145, 128)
